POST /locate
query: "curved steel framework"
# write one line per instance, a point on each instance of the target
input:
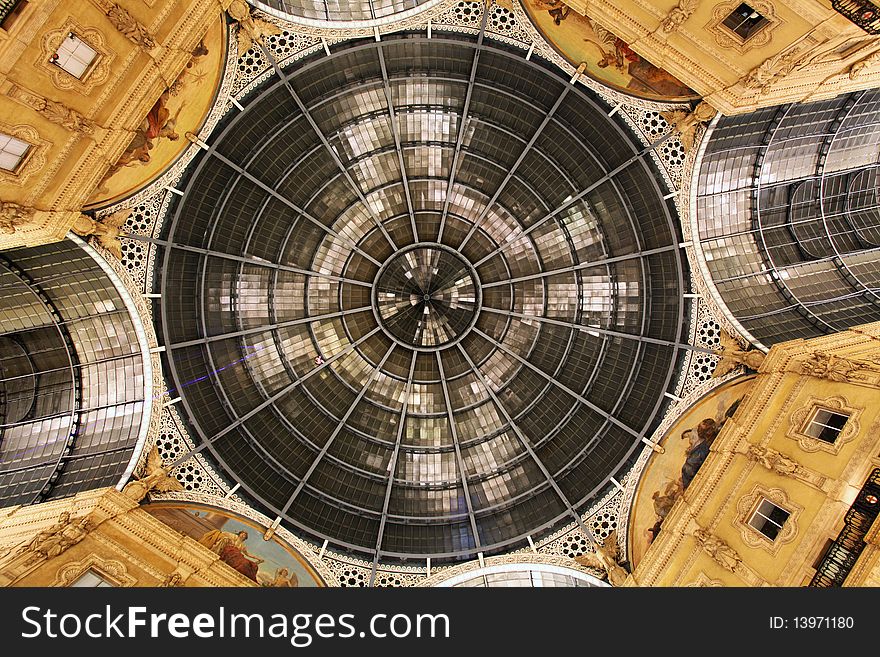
(365, 12)
(71, 376)
(387, 168)
(788, 217)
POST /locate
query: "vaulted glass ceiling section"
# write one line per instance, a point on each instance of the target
(789, 219)
(412, 306)
(71, 375)
(334, 10)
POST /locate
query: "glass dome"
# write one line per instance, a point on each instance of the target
(422, 298)
(326, 12)
(74, 381)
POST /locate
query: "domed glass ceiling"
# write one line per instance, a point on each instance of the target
(368, 11)
(421, 298)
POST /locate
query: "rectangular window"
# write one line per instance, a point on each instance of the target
(74, 56)
(744, 21)
(826, 425)
(91, 579)
(12, 152)
(768, 519)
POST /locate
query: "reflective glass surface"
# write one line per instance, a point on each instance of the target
(71, 375)
(788, 216)
(344, 11)
(409, 308)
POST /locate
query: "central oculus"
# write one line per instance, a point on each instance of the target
(426, 296)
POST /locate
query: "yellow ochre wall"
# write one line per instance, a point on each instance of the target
(816, 482)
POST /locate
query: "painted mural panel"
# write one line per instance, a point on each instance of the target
(239, 543)
(160, 139)
(668, 475)
(609, 59)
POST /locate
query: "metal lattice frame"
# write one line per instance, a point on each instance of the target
(642, 117)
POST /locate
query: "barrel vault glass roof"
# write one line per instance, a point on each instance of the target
(788, 216)
(71, 376)
(421, 298)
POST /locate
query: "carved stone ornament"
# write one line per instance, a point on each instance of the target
(173, 580)
(686, 124)
(130, 27)
(864, 66)
(57, 539)
(13, 216)
(33, 161)
(111, 570)
(154, 478)
(97, 73)
(823, 365)
(800, 419)
(704, 581)
(719, 551)
(732, 356)
(606, 559)
(747, 505)
(678, 15)
(105, 232)
(57, 113)
(726, 38)
(775, 68)
(251, 30)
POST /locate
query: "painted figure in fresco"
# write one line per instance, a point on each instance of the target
(700, 439)
(620, 56)
(159, 122)
(231, 549)
(283, 579)
(556, 8)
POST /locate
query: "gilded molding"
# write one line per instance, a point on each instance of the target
(110, 569)
(747, 505)
(61, 79)
(800, 418)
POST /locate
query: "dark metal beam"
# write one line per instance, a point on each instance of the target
(463, 123)
(270, 400)
(308, 115)
(584, 265)
(526, 443)
(265, 327)
(395, 131)
(392, 465)
(577, 197)
(336, 431)
(522, 156)
(586, 328)
(457, 444)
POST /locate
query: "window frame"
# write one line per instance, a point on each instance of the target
(756, 511)
(22, 159)
(804, 412)
(103, 582)
(811, 421)
(761, 25)
(88, 68)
